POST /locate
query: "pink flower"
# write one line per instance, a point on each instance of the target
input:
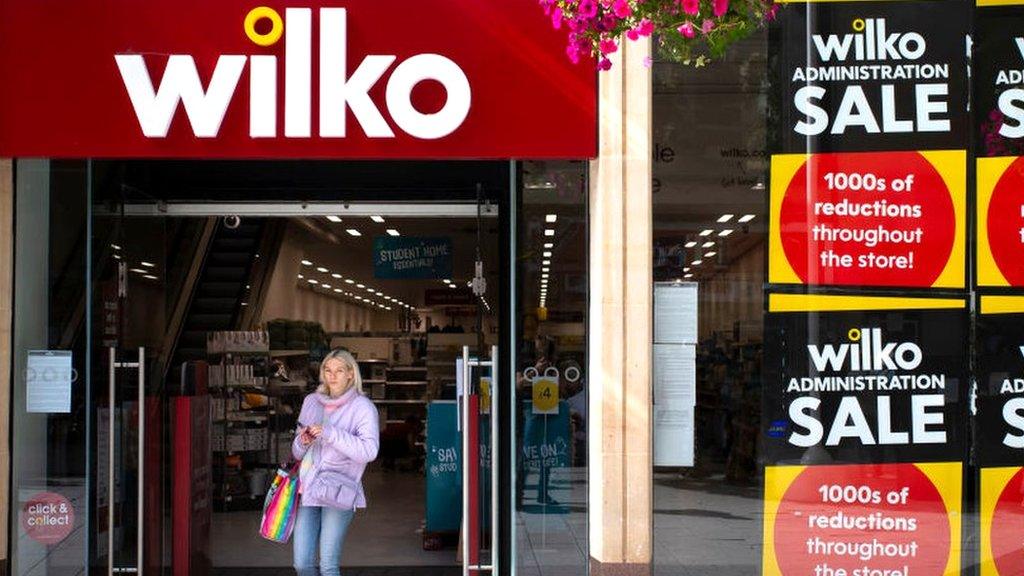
(633, 34)
(588, 8)
(608, 23)
(646, 27)
(608, 46)
(556, 18)
(721, 7)
(691, 7)
(707, 26)
(687, 30)
(622, 9)
(648, 61)
(573, 52)
(604, 64)
(771, 13)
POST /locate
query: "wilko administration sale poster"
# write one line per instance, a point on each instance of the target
(999, 432)
(999, 144)
(863, 434)
(869, 175)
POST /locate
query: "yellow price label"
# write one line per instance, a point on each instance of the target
(485, 395)
(545, 396)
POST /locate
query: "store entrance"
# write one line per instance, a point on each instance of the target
(213, 313)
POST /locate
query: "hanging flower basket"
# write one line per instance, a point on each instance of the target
(687, 31)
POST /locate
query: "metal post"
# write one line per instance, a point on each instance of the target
(494, 461)
(464, 402)
(110, 463)
(141, 529)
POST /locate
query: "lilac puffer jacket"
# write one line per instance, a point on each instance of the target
(349, 441)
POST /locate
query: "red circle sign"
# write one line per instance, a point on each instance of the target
(1005, 220)
(1008, 527)
(868, 219)
(872, 520)
(47, 517)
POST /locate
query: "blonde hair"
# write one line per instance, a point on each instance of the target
(346, 357)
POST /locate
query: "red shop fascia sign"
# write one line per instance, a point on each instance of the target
(409, 79)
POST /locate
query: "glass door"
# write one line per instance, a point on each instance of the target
(51, 400)
(480, 425)
(549, 389)
(130, 306)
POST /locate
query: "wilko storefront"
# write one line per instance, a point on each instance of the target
(755, 313)
(203, 200)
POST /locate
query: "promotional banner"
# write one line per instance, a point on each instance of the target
(869, 76)
(443, 468)
(999, 432)
(868, 179)
(862, 434)
(1001, 515)
(230, 79)
(869, 219)
(998, 422)
(864, 379)
(999, 76)
(862, 520)
(400, 257)
(1000, 222)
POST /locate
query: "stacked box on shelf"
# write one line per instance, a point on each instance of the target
(255, 438)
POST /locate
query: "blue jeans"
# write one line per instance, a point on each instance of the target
(324, 528)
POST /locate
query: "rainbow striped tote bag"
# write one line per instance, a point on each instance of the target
(281, 505)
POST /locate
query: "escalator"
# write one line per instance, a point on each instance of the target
(228, 286)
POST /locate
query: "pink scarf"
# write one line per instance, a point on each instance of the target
(332, 404)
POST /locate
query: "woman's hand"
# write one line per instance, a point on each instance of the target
(315, 431)
(305, 438)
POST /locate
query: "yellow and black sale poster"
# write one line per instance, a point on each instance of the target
(998, 423)
(999, 432)
(862, 434)
(869, 171)
(999, 142)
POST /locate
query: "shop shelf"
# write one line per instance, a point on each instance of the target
(282, 353)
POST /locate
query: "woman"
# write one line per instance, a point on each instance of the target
(338, 435)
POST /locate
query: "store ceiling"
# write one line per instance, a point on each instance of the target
(328, 244)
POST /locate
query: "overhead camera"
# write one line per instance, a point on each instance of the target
(232, 222)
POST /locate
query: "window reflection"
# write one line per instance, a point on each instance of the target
(710, 228)
(551, 401)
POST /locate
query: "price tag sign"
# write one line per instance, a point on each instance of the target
(545, 392)
(485, 395)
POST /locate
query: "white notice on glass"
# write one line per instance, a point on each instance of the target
(673, 436)
(48, 381)
(675, 312)
(675, 374)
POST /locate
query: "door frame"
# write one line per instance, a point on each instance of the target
(505, 210)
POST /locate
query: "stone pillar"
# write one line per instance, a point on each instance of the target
(6, 320)
(620, 321)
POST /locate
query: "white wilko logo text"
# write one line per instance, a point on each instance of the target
(339, 91)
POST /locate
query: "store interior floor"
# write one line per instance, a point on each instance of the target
(387, 533)
(386, 538)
